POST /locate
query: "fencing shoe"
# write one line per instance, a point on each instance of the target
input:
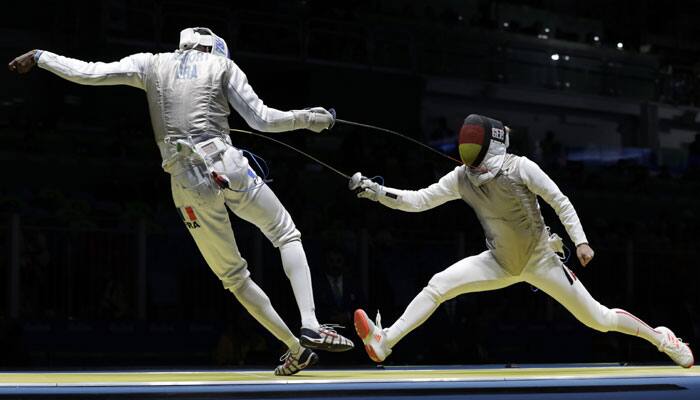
(679, 352)
(293, 363)
(325, 338)
(372, 336)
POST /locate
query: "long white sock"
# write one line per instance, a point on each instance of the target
(252, 297)
(417, 312)
(297, 270)
(631, 325)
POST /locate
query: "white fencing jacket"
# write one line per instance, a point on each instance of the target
(506, 205)
(188, 92)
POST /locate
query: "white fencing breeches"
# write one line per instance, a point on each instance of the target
(207, 219)
(544, 271)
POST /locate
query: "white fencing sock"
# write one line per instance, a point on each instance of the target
(252, 297)
(631, 325)
(297, 270)
(417, 312)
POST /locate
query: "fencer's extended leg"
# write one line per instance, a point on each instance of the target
(258, 305)
(570, 292)
(296, 267)
(312, 335)
(263, 209)
(472, 274)
(575, 298)
(211, 230)
(252, 200)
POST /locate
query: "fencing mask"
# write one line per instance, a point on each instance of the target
(482, 147)
(193, 37)
(479, 137)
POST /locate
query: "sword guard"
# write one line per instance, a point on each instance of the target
(354, 183)
(332, 111)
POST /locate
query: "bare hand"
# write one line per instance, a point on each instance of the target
(585, 253)
(23, 63)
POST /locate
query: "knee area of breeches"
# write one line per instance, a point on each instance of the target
(603, 320)
(251, 297)
(236, 283)
(433, 290)
(285, 238)
(440, 285)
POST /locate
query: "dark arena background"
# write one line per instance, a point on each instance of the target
(104, 293)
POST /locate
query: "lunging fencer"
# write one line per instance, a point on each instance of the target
(502, 189)
(189, 92)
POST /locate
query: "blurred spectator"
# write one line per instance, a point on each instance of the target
(114, 303)
(336, 288)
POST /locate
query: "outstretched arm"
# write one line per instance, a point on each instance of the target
(267, 119)
(438, 193)
(23, 63)
(542, 185)
(127, 71)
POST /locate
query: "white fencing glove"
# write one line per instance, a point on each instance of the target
(315, 119)
(365, 188)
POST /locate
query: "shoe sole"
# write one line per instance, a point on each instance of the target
(313, 360)
(693, 357)
(311, 343)
(362, 327)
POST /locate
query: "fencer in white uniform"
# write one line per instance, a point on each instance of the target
(502, 189)
(189, 92)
